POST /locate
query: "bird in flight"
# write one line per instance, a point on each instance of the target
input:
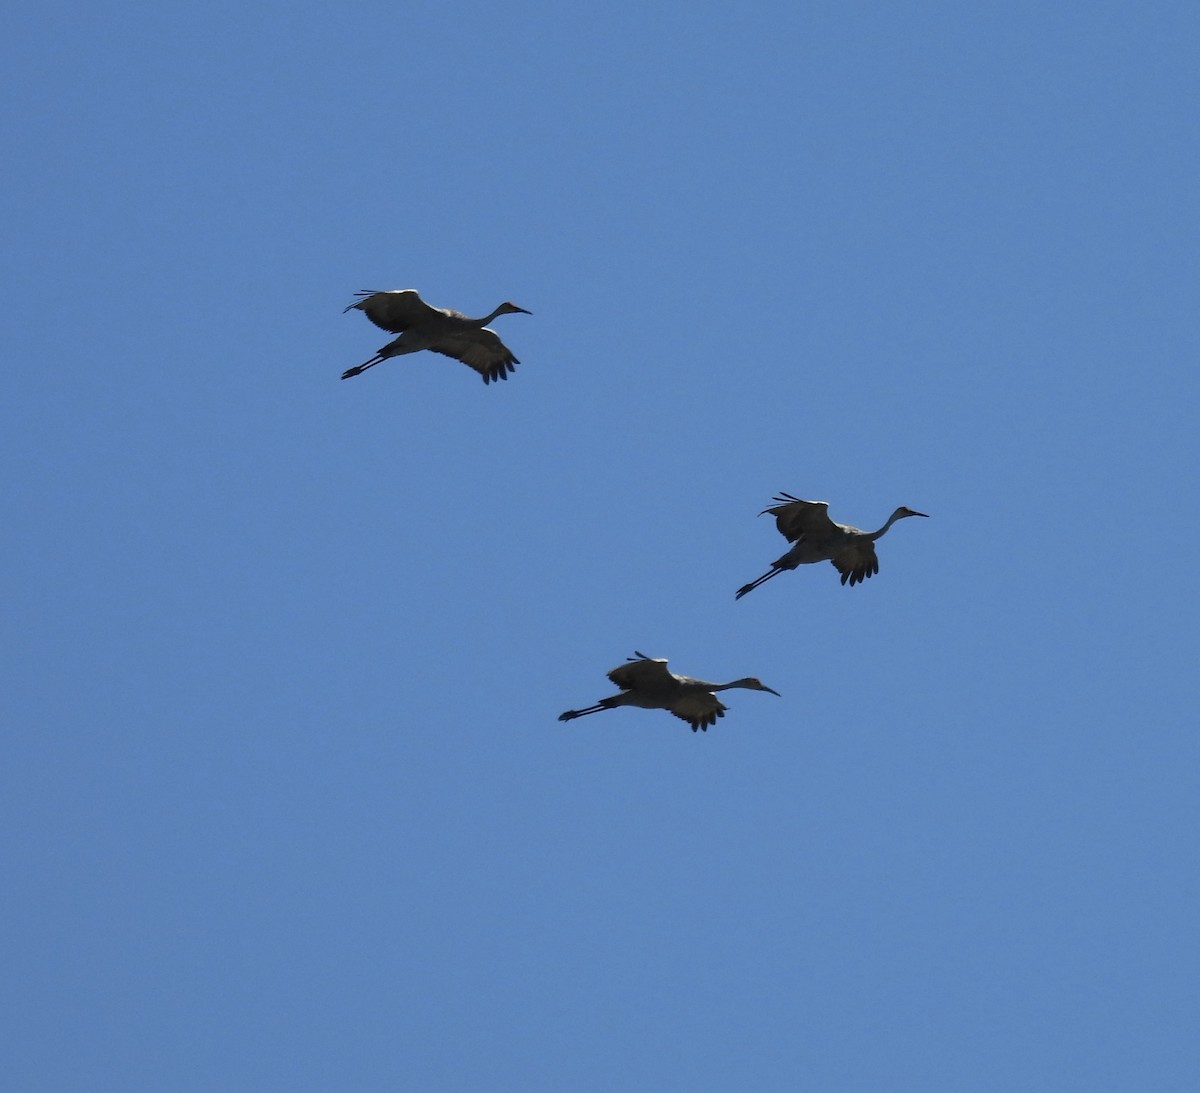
(646, 683)
(439, 329)
(817, 538)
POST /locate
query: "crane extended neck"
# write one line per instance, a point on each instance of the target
(899, 514)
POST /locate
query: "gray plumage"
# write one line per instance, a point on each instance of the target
(439, 329)
(817, 539)
(646, 683)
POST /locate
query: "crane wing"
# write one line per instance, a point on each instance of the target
(479, 349)
(398, 309)
(700, 709)
(642, 673)
(795, 518)
(856, 562)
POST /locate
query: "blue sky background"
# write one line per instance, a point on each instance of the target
(285, 802)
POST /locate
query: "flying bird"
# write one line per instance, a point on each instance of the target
(646, 683)
(451, 333)
(817, 539)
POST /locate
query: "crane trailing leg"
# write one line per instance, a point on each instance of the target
(363, 367)
(603, 704)
(773, 572)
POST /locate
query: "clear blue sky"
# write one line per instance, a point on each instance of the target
(286, 804)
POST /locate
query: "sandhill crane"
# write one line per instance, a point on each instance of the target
(817, 538)
(646, 683)
(451, 333)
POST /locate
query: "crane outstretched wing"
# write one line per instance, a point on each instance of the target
(479, 349)
(700, 709)
(856, 563)
(398, 309)
(642, 672)
(795, 518)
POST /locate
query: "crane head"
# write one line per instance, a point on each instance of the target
(904, 510)
(509, 308)
(755, 684)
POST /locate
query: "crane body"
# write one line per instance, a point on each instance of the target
(646, 683)
(439, 329)
(816, 538)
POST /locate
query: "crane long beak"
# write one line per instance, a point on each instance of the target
(772, 690)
